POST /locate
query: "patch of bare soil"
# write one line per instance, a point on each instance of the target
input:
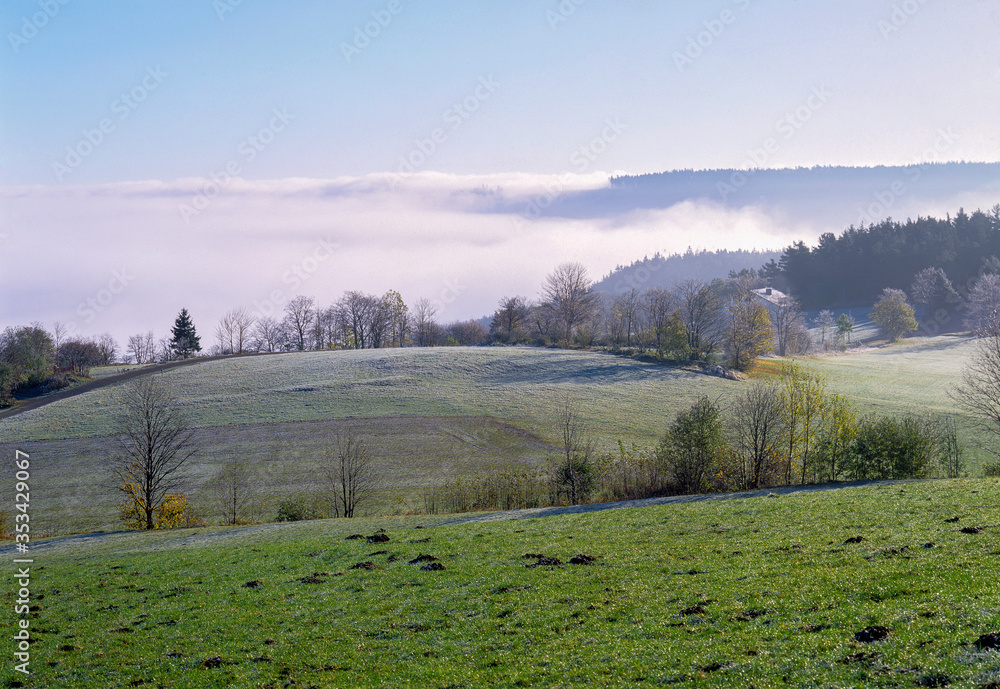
(694, 610)
(314, 578)
(871, 634)
(422, 558)
(432, 567)
(544, 561)
(988, 642)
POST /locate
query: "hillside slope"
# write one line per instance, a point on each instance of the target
(432, 415)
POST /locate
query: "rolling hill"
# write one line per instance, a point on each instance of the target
(434, 415)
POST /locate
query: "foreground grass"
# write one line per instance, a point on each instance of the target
(761, 592)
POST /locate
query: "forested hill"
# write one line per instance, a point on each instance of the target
(666, 271)
(852, 269)
(843, 186)
(834, 196)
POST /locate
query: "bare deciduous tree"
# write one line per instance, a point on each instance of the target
(467, 333)
(575, 473)
(142, 348)
(224, 334)
(510, 319)
(324, 328)
(660, 305)
(979, 392)
(790, 334)
(267, 334)
(983, 303)
(108, 348)
(626, 315)
(700, 311)
(350, 473)
(568, 291)
(243, 322)
(423, 320)
(364, 320)
(236, 487)
(299, 314)
(60, 331)
(153, 445)
(758, 428)
(826, 324)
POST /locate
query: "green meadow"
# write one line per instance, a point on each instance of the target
(858, 587)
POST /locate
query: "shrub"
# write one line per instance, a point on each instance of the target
(634, 474)
(173, 513)
(508, 489)
(693, 445)
(301, 508)
(888, 448)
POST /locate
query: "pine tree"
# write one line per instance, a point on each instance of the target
(185, 341)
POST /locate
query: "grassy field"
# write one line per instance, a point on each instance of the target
(434, 414)
(913, 376)
(617, 397)
(763, 592)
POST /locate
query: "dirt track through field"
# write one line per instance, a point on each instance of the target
(36, 402)
(672, 500)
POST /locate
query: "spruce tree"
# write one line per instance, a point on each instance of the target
(185, 341)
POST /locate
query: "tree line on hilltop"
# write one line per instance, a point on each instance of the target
(853, 268)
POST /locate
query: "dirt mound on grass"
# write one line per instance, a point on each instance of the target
(872, 634)
(988, 642)
(546, 562)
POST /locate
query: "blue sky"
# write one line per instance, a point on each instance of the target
(116, 115)
(893, 78)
